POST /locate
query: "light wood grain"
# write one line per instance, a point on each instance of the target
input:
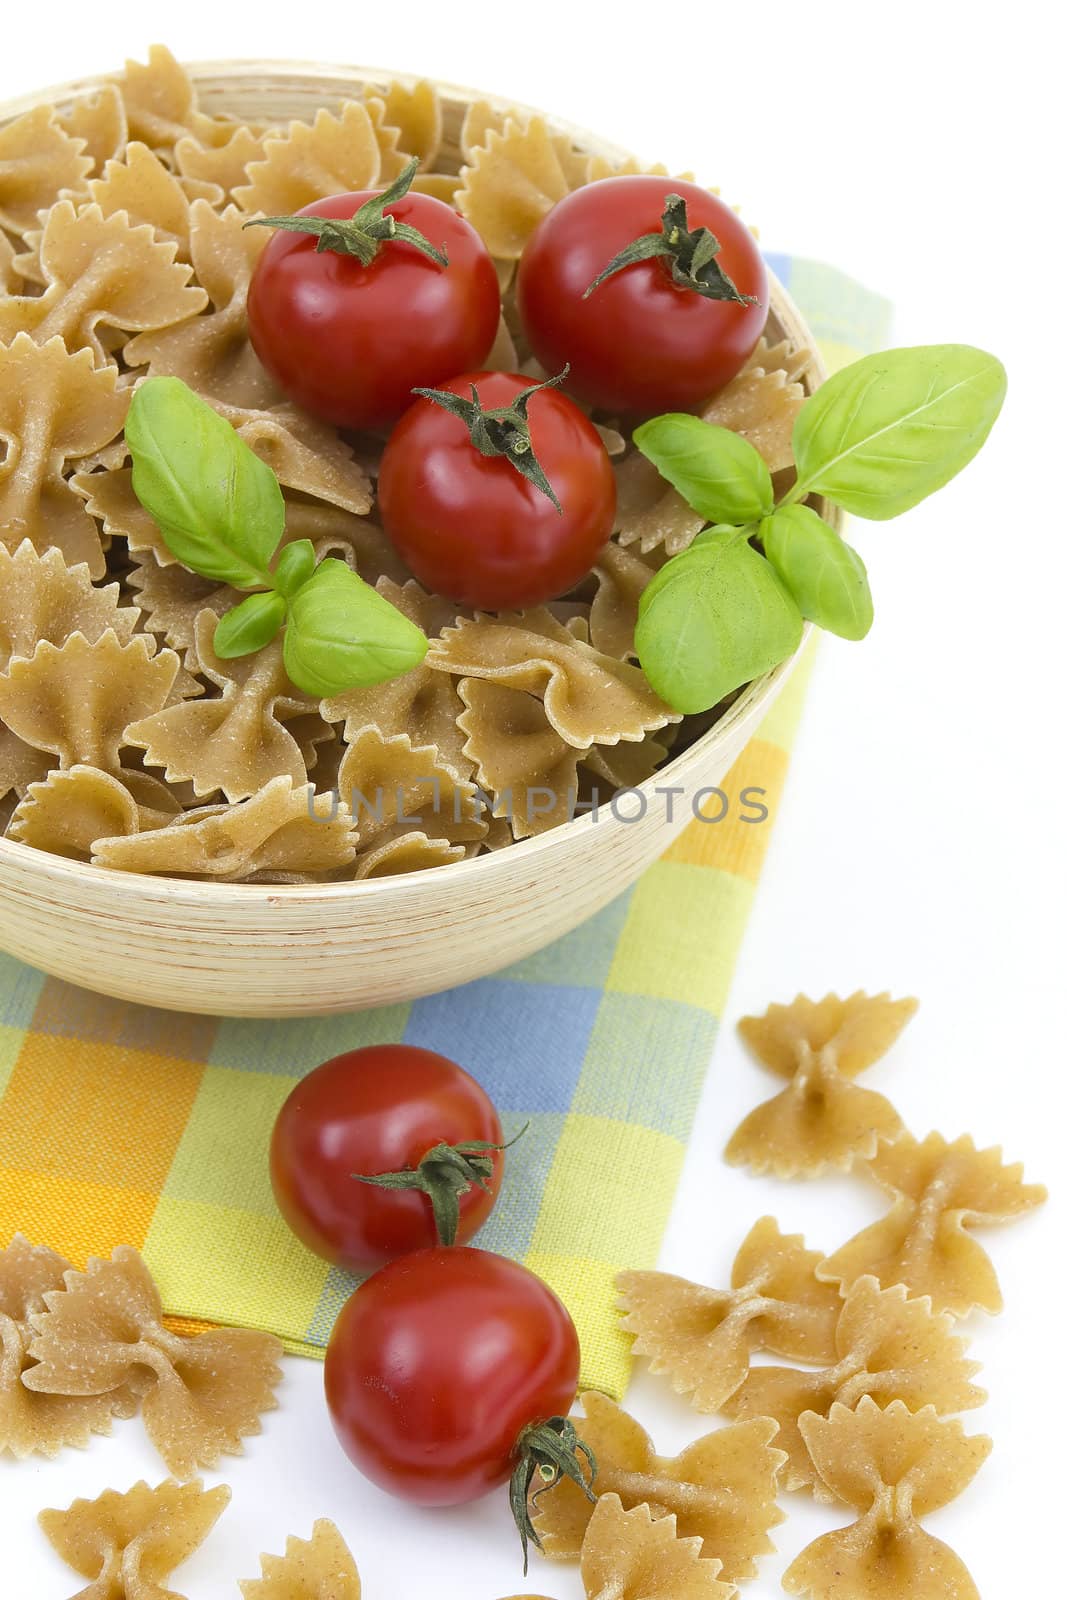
(248, 950)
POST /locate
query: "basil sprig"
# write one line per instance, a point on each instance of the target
(876, 438)
(221, 512)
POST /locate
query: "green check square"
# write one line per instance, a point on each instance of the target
(292, 1046)
(260, 1275)
(631, 1171)
(646, 1062)
(222, 1156)
(10, 1044)
(681, 937)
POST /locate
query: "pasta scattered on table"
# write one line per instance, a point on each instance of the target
(887, 1346)
(939, 1191)
(720, 1489)
(41, 1424)
(893, 1466)
(126, 1544)
(822, 1119)
(701, 1338)
(629, 1555)
(104, 1330)
(319, 1568)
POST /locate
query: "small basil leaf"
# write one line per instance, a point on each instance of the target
(343, 634)
(294, 566)
(885, 432)
(824, 575)
(249, 626)
(219, 507)
(720, 474)
(712, 619)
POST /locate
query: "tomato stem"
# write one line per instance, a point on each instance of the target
(365, 233)
(445, 1174)
(691, 253)
(503, 431)
(549, 1451)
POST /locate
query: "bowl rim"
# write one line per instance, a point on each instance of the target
(743, 714)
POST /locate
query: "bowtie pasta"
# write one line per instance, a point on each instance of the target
(125, 255)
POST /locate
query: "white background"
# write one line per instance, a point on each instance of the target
(920, 846)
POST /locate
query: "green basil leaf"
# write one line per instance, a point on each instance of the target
(343, 634)
(294, 566)
(824, 575)
(712, 619)
(720, 474)
(249, 626)
(219, 507)
(885, 432)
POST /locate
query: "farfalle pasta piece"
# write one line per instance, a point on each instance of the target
(396, 791)
(204, 1394)
(38, 159)
(514, 178)
(701, 1338)
(172, 598)
(518, 757)
(889, 1347)
(332, 155)
(422, 703)
(235, 741)
(41, 1424)
(109, 498)
(894, 1467)
(72, 808)
(54, 407)
(629, 1555)
(283, 833)
(225, 164)
(160, 101)
(589, 698)
(100, 273)
(939, 1191)
(127, 1544)
(77, 700)
(785, 356)
(319, 1568)
(20, 765)
(139, 185)
(624, 766)
(622, 578)
(99, 120)
(212, 352)
(414, 110)
(650, 514)
(822, 1119)
(762, 407)
(721, 1489)
(304, 455)
(42, 598)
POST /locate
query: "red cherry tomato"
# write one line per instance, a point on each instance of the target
(469, 525)
(437, 1364)
(639, 342)
(372, 1111)
(349, 342)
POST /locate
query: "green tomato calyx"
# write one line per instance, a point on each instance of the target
(503, 430)
(547, 1451)
(445, 1174)
(364, 234)
(692, 255)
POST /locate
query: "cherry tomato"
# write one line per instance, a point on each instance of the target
(349, 342)
(438, 1363)
(640, 342)
(373, 1111)
(470, 525)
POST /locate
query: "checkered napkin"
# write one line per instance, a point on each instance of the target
(120, 1124)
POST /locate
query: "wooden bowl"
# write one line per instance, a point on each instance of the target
(277, 951)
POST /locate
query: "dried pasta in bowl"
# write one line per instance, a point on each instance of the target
(127, 741)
